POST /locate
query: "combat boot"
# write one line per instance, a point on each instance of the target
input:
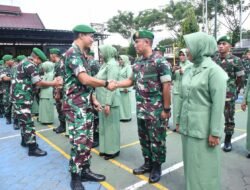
(88, 175)
(61, 128)
(146, 167)
(75, 182)
(15, 125)
(35, 151)
(227, 143)
(23, 143)
(8, 120)
(155, 174)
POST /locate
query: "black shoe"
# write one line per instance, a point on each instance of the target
(95, 144)
(102, 154)
(8, 121)
(76, 183)
(110, 156)
(15, 125)
(125, 120)
(227, 143)
(35, 151)
(88, 175)
(60, 129)
(146, 167)
(155, 174)
(23, 143)
(248, 155)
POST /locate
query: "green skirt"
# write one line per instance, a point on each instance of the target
(46, 110)
(248, 128)
(201, 164)
(125, 106)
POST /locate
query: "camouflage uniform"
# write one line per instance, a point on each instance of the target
(8, 71)
(234, 68)
(23, 93)
(148, 75)
(59, 68)
(1, 92)
(77, 109)
(246, 65)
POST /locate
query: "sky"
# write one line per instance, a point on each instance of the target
(64, 14)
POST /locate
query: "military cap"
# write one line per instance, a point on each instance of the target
(1, 62)
(20, 57)
(91, 53)
(225, 39)
(143, 34)
(55, 51)
(39, 53)
(83, 29)
(7, 57)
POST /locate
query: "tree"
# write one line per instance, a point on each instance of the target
(166, 42)
(131, 50)
(189, 25)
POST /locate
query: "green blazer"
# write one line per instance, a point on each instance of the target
(247, 93)
(202, 94)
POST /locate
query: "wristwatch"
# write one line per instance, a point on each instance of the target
(106, 83)
(167, 110)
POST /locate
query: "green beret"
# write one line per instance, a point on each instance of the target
(20, 57)
(83, 29)
(91, 53)
(55, 51)
(1, 62)
(143, 34)
(7, 57)
(225, 39)
(39, 53)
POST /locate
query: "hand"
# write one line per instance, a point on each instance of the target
(97, 105)
(58, 81)
(112, 85)
(243, 106)
(107, 110)
(175, 67)
(165, 115)
(213, 141)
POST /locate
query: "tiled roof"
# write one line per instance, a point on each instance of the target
(10, 9)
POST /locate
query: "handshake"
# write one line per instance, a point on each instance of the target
(58, 81)
(112, 85)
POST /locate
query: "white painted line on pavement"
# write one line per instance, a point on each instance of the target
(17, 135)
(175, 167)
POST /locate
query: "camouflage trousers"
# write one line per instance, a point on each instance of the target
(25, 122)
(229, 112)
(152, 136)
(1, 104)
(61, 115)
(7, 104)
(81, 138)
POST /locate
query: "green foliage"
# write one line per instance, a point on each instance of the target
(189, 25)
(166, 42)
(121, 50)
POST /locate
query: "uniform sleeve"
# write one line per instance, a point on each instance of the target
(164, 70)
(76, 64)
(33, 72)
(217, 88)
(239, 68)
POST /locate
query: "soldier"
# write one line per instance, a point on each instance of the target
(94, 68)
(6, 78)
(55, 57)
(77, 106)
(246, 64)
(1, 90)
(26, 77)
(152, 80)
(233, 67)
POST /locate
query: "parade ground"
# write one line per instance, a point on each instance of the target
(18, 171)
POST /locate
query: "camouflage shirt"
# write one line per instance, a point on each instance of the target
(59, 68)
(7, 71)
(246, 65)
(234, 68)
(27, 74)
(76, 95)
(1, 82)
(148, 76)
(94, 67)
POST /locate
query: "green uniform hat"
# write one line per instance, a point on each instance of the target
(91, 53)
(143, 34)
(225, 39)
(1, 62)
(39, 53)
(7, 57)
(55, 51)
(20, 57)
(83, 29)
